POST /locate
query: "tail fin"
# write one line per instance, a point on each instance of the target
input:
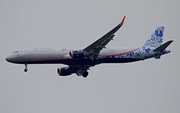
(156, 39)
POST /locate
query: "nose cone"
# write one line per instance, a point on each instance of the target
(9, 59)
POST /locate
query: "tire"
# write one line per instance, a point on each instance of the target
(85, 74)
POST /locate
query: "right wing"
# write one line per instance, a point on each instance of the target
(93, 50)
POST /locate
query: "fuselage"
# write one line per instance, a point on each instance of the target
(61, 56)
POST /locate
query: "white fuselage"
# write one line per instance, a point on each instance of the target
(44, 55)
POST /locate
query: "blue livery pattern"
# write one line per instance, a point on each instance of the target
(155, 40)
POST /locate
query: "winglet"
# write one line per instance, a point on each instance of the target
(122, 22)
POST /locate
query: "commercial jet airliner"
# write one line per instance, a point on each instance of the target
(80, 60)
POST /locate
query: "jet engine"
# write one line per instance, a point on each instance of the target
(65, 71)
(76, 54)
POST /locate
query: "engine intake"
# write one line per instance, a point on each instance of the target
(76, 54)
(65, 71)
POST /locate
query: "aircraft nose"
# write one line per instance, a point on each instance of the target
(9, 59)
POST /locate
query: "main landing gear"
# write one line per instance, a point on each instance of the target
(26, 69)
(85, 74)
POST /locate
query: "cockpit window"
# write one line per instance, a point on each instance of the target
(15, 52)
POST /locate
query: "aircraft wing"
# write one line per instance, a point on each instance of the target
(93, 50)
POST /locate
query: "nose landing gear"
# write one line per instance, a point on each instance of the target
(26, 69)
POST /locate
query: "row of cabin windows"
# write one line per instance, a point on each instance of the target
(25, 51)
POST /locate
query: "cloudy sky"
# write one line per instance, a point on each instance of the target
(150, 86)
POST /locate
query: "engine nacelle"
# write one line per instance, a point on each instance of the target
(76, 54)
(65, 71)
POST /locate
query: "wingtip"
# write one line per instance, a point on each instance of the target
(122, 22)
(171, 41)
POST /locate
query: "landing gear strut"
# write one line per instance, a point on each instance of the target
(26, 69)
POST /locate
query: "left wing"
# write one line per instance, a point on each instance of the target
(93, 50)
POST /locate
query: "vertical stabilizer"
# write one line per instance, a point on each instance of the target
(155, 40)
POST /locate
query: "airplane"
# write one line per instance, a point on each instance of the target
(79, 61)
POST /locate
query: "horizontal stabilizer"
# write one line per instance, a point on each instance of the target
(162, 47)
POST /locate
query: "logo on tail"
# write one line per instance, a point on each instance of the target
(155, 40)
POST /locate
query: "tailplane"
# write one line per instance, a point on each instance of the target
(163, 47)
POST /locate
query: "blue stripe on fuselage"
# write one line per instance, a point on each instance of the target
(82, 61)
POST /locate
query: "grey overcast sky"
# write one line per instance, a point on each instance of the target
(150, 86)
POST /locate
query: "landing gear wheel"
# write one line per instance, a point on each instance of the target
(85, 74)
(26, 69)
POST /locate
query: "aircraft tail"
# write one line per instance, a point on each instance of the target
(154, 43)
(155, 40)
